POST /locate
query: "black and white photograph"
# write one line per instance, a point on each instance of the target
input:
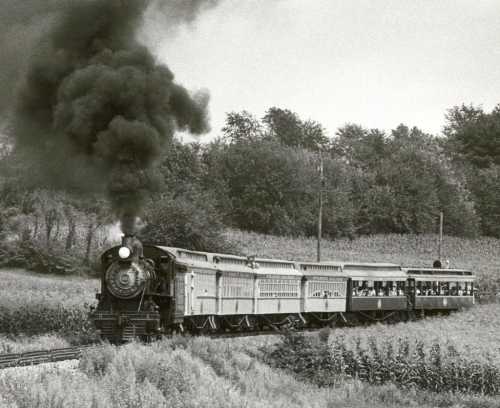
(253, 203)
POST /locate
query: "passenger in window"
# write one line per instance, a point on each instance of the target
(393, 291)
(381, 292)
(371, 292)
(401, 291)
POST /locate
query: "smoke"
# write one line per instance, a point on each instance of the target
(94, 108)
(22, 24)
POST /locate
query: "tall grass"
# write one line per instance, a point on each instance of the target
(32, 305)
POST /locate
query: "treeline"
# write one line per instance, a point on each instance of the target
(263, 175)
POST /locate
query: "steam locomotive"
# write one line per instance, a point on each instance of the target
(150, 290)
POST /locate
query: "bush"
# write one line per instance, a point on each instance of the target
(189, 220)
(307, 357)
(31, 255)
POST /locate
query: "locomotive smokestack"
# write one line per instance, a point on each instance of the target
(96, 101)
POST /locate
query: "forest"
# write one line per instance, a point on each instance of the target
(263, 175)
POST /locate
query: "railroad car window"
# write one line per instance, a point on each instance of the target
(326, 289)
(279, 288)
(444, 288)
(237, 286)
(364, 288)
(467, 288)
(401, 285)
(428, 288)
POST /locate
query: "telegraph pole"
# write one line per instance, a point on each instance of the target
(320, 206)
(440, 234)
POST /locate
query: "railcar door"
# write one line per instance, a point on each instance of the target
(411, 293)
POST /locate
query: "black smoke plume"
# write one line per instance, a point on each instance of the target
(94, 108)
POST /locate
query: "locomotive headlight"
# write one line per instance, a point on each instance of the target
(124, 252)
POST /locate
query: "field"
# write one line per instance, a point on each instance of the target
(459, 353)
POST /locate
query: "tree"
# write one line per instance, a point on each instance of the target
(188, 220)
(474, 135)
(181, 166)
(242, 126)
(473, 144)
(268, 186)
(485, 186)
(286, 127)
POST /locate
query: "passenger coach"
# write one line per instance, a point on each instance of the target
(378, 290)
(435, 289)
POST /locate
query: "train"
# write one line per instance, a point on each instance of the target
(150, 290)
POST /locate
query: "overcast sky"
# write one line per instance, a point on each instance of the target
(373, 62)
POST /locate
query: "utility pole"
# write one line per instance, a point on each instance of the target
(320, 206)
(440, 234)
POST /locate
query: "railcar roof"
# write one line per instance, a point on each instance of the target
(360, 270)
(320, 268)
(436, 271)
(373, 271)
(190, 258)
(276, 266)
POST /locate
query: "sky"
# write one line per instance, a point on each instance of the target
(377, 63)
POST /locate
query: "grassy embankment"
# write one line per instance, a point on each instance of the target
(41, 311)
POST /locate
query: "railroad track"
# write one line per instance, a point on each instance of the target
(42, 356)
(70, 353)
